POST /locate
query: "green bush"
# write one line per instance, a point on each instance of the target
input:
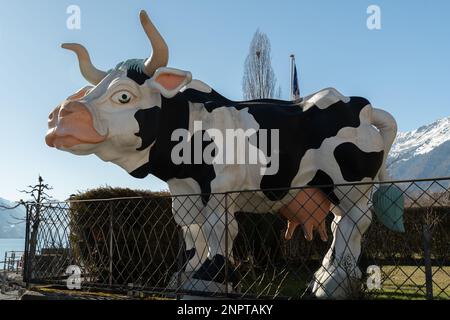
(402, 248)
(138, 236)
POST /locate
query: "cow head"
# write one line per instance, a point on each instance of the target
(107, 118)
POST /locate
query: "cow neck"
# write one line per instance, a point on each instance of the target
(174, 115)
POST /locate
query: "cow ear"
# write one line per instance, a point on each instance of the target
(169, 81)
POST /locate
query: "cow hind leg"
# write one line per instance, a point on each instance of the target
(339, 275)
(328, 259)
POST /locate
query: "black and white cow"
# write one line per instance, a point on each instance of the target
(130, 117)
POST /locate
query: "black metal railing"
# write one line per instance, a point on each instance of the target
(12, 262)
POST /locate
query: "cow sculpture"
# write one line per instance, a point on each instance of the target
(132, 112)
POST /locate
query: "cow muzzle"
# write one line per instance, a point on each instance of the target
(71, 124)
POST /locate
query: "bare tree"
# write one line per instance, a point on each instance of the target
(39, 195)
(259, 80)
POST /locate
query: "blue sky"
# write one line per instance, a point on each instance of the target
(403, 68)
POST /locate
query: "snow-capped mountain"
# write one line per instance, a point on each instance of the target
(422, 153)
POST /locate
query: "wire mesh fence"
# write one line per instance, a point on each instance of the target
(300, 243)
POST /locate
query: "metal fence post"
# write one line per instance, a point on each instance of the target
(110, 244)
(4, 270)
(12, 260)
(427, 261)
(180, 263)
(226, 245)
(26, 261)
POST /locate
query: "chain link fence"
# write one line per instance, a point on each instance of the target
(136, 245)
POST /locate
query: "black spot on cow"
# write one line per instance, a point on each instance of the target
(299, 130)
(303, 130)
(356, 164)
(325, 183)
(135, 70)
(174, 114)
(213, 100)
(148, 120)
(216, 269)
(137, 74)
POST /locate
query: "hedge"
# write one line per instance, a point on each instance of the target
(144, 236)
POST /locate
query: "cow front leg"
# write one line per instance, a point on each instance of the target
(220, 230)
(196, 247)
(194, 256)
(187, 214)
(339, 276)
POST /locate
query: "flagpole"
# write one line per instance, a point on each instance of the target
(292, 56)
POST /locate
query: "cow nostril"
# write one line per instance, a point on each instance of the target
(68, 108)
(64, 112)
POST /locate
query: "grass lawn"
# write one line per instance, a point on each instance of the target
(408, 282)
(398, 282)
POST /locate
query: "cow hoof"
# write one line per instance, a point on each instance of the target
(196, 289)
(215, 277)
(335, 282)
(217, 269)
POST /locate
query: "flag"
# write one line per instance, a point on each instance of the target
(295, 87)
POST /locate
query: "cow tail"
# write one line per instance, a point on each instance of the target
(387, 126)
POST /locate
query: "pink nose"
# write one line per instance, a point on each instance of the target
(71, 123)
(66, 108)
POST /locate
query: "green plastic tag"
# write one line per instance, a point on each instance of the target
(389, 203)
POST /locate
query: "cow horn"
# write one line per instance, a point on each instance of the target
(160, 55)
(89, 72)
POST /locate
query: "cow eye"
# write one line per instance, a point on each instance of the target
(122, 97)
